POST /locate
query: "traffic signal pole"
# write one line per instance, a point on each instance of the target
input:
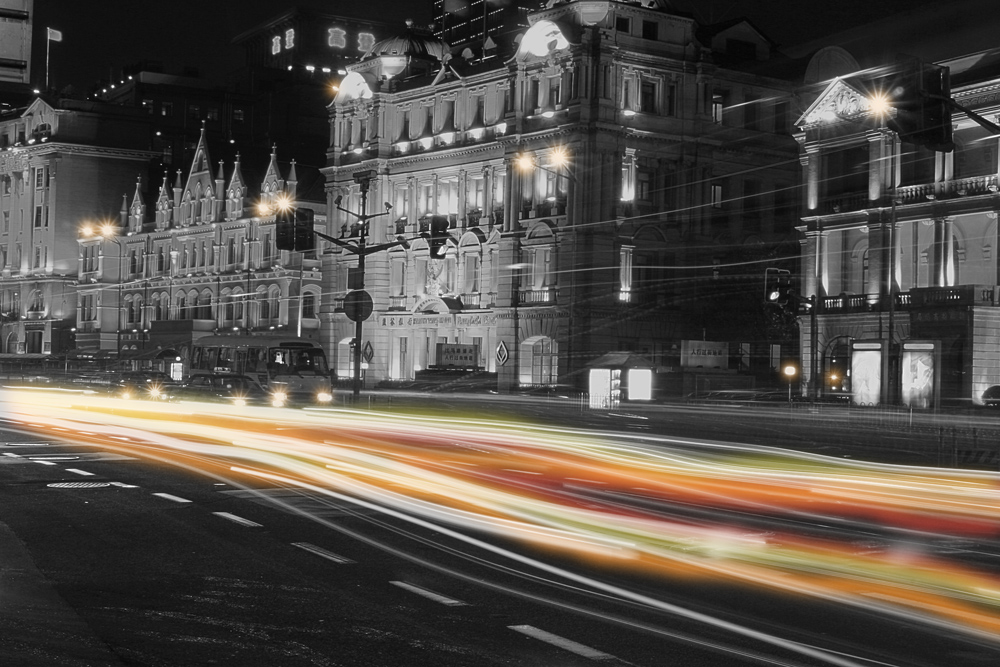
(361, 249)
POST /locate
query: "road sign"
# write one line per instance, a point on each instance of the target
(367, 352)
(358, 305)
(502, 354)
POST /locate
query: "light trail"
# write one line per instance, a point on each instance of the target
(531, 484)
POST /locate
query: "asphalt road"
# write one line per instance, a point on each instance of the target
(113, 556)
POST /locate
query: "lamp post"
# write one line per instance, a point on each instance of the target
(361, 249)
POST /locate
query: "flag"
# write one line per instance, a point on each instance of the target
(55, 35)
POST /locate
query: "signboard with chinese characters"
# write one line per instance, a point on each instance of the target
(704, 354)
(457, 354)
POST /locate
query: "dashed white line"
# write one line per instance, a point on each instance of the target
(238, 519)
(430, 595)
(16, 456)
(562, 642)
(322, 553)
(79, 472)
(176, 499)
(45, 463)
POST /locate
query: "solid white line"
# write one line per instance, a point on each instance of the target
(46, 463)
(322, 553)
(238, 519)
(16, 456)
(176, 499)
(430, 595)
(78, 471)
(562, 642)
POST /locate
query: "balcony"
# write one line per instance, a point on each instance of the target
(918, 297)
(532, 297)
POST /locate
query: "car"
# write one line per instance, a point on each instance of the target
(222, 387)
(143, 384)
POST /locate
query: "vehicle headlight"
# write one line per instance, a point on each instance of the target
(126, 394)
(324, 397)
(278, 398)
(155, 392)
(240, 401)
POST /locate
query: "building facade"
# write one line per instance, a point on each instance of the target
(60, 163)
(900, 240)
(196, 257)
(604, 185)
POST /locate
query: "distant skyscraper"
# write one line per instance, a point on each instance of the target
(15, 40)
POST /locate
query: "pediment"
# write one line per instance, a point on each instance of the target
(839, 102)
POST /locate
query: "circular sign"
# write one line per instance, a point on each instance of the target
(358, 305)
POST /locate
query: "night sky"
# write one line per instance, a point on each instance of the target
(99, 38)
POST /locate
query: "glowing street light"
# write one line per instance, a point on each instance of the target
(790, 371)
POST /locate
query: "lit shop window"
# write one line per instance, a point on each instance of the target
(366, 40)
(275, 45)
(290, 38)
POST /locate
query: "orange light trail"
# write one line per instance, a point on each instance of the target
(666, 507)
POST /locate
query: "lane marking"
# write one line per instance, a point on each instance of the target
(79, 472)
(238, 519)
(430, 595)
(46, 463)
(16, 456)
(124, 486)
(322, 553)
(25, 444)
(176, 499)
(562, 642)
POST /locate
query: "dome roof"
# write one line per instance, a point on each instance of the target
(413, 42)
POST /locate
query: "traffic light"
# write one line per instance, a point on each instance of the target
(438, 235)
(303, 234)
(777, 287)
(920, 94)
(284, 228)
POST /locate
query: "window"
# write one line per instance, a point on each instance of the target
(275, 45)
(647, 97)
(670, 100)
(194, 111)
(239, 115)
(290, 38)
(38, 257)
(781, 117)
(397, 277)
(751, 118)
(623, 24)
(212, 113)
(308, 305)
(40, 178)
(650, 30)
(716, 195)
(471, 273)
(643, 185)
(167, 109)
(39, 216)
(6, 222)
(718, 103)
(148, 106)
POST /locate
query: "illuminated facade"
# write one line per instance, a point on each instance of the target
(16, 20)
(198, 258)
(900, 243)
(60, 163)
(598, 182)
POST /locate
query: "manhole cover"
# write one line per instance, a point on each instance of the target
(77, 485)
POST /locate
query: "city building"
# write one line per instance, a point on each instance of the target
(61, 161)
(899, 255)
(15, 41)
(606, 185)
(195, 256)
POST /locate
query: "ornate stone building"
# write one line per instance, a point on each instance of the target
(61, 162)
(605, 184)
(198, 257)
(900, 240)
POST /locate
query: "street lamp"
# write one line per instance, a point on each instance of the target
(789, 372)
(110, 232)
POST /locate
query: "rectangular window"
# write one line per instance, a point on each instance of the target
(39, 178)
(751, 117)
(670, 100)
(238, 115)
(623, 24)
(718, 103)
(716, 195)
(212, 113)
(643, 185)
(194, 111)
(650, 30)
(781, 118)
(471, 274)
(6, 222)
(39, 216)
(148, 106)
(647, 97)
(167, 109)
